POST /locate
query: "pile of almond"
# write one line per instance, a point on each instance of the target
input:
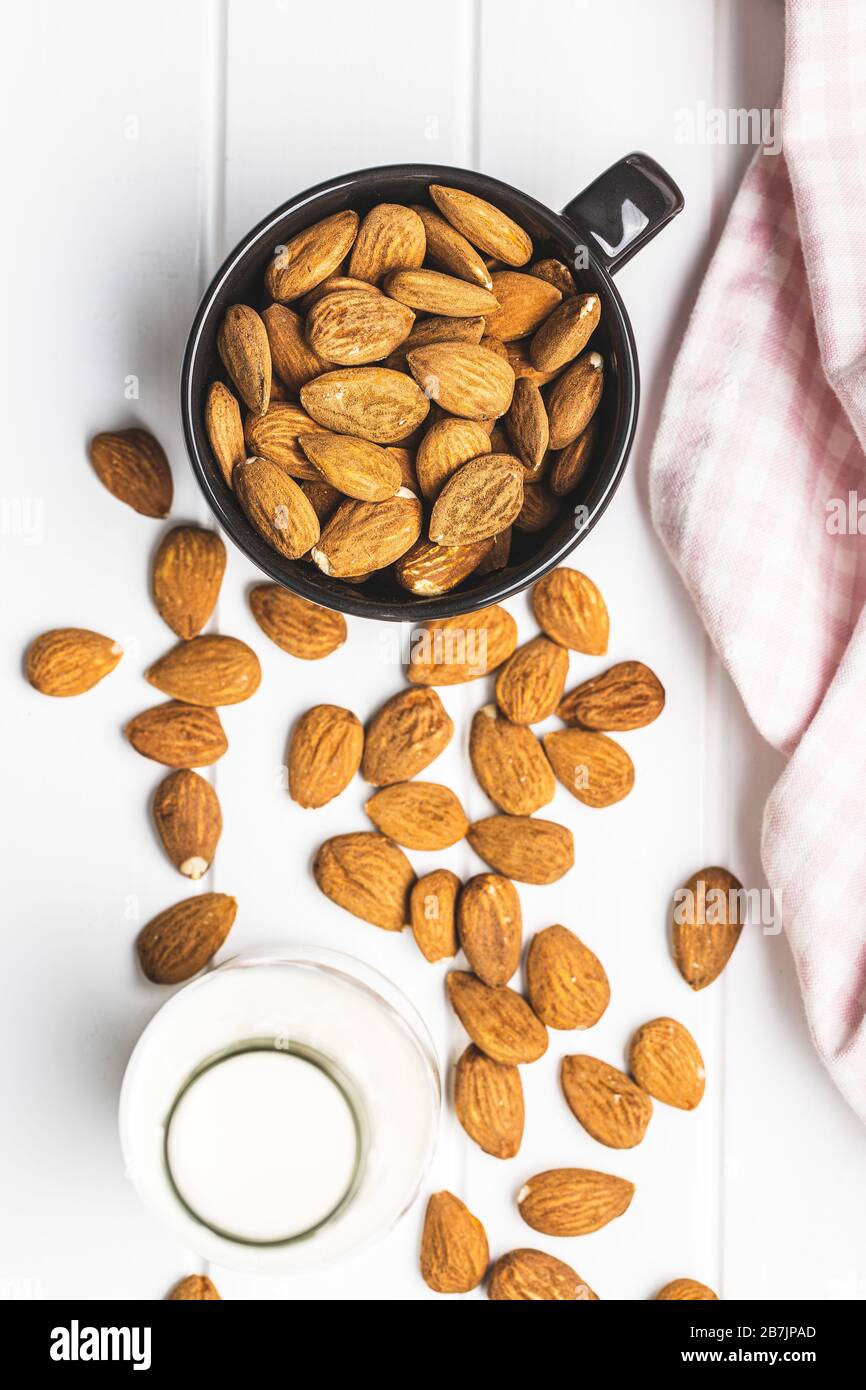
(410, 393)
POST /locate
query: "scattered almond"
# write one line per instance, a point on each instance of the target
(449, 651)
(433, 910)
(523, 847)
(531, 1276)
(628, 696)
(573, 1201)
(607, 1103)
(665, 1060)
(680, 1290)
(499, 1021)
(209, 670)
(195, 1287)
(491, 927)
(592, 767)
(571, 610)
(178, 735)
(324, 754)
(454, 1250)
(530, 684)
(70, 660)
(296, 625)
(188, 818)
(405, 736)
(134, 468)
(509, 763)
(488, 1102)
(179, 942)
(418, 815)
(187, 573)
(368, 875)
(707, 921)
(565, 981)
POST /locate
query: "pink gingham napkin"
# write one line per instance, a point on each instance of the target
(758, 465)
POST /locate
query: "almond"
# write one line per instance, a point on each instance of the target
(70, 660)
(355, 467)
(373, 402)
(680, 1290)
(571, 463)
(521, 847)
(437, 329)
(404, 737)
(555, 273)
(296, 625)
(524, 303)
(565, 333)
(592, 767)
(566, 983)
(433, 910)
(210, 670)
(486, 226)
(454, 1250)
(530, 684)
(533, 1276)
(573, 1201)
(665, 1060)
(574, 399)
(488, 1102)
(432, 292)
(526, 423)
(274, 436)
(323, 498)
(178, 735)
(275, 506)
(499, 1021)
(391, 236)
(294, 360)
(351, 327)
(405, 461)
(187, 573)
(437, 569)
(195, 1287)
(242, 343)
(707, 922)
(498, 557)
(324, 754)
(539, 508)
(368, 875)
(225, 432)
(446, 446)
(311, 256)
(571, 610)
(628, 696)
(453, 252)
(481, 499)
(448, 651)
(187, 813)
(465, 379)
(510, 764)
(365, 536)
(179, 942)
(491, 927)
(418, 815)
(331, 285)
(605, 1101)
(134, 468)
(517, 356)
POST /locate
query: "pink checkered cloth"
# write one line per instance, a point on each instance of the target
(758, 466)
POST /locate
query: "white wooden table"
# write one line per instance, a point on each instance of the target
(145, 140)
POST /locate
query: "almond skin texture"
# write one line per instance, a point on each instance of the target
(523, 847)
(595, 769)
(437, 329)
(324, 754)
(573, 1201)
(571, 463)
(70, 660)
(565, 981)
(488, 1102)
(524, 303)
(665, 1060)
(134, 468)
(353, 466)
(433, 909)
(530, 684)
(311, 256)
(178, 943)
(197, 1287)
(605, 1101)
(454, 1250)
(437, 569)
(526, 423)
(242, 342)
(331, 285)
(352, 327)
(294, 360)
(574, 399)
(449, 651)
(446, 446)
(296, 625)
(187, 813)
(274, 436)
(686, 1290)
(565, 333)
(188, 570)
(404, 737)
(571, 610)
(418, 815)
(391, 237)
(491, 928)
(432, 292)
(451, 251)
(517, 355)
(555, 273)
(531, 1276)
(510, 764)
(209, 670)
(481, 499)
(371, 402)
(488, 228)
(499, 1021)
(225, 431)
(539, 508)
(276, 507)
(365, 536)
(368, 875)
(465, 379)
(707, 921)
(178, 735)
(628, 696)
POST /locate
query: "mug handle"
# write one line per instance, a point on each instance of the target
(624, 208)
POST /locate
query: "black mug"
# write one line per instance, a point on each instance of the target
(595, 234)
